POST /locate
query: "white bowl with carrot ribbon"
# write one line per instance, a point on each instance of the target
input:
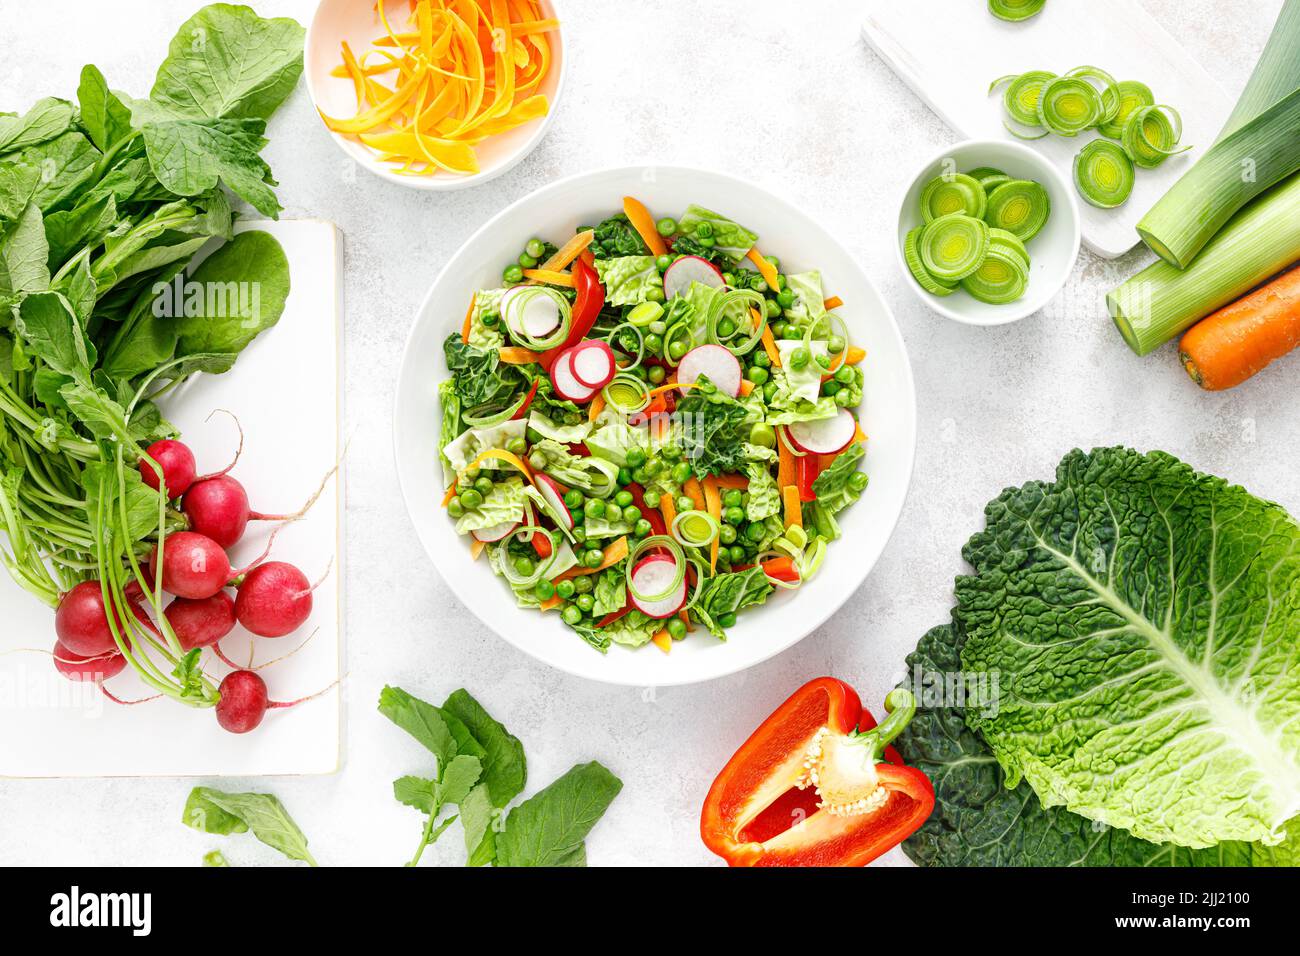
(436, 94)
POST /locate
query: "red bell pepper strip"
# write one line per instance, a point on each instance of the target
(756, 814)
(807, 469)
(523, 409)
(652, 515)
(586, 307)
(782, 569)
(613, 616)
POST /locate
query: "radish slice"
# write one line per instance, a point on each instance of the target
(651, 575)
(593, 363)
(719, 365)
(679, 276)
(566, 383)
(496, 532)
(534, 315)
(826, 436)
(554, 495)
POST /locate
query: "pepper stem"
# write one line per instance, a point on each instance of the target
(900, 707)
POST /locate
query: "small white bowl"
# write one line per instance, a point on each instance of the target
(1051, 253)
(357, 22)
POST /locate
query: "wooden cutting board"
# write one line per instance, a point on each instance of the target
(286, 389)
(948, 51)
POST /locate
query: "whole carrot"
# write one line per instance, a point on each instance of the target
(1230, 345)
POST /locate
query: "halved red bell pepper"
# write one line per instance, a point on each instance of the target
(586, 307)
(756, 814)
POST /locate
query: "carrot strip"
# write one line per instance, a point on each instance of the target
(769, 346)
(451, 493)
(686, 619)
(664, 641)
(834, 302)
(469, 316)
(765, 268)
(669, 509)
(793, 508)
(596, 407)
(858, 434)
(644, 224)
(1242, 338)
(713, 502)
(854, 355)
(475, 549)
(615, 552)
(514, 355)
(550, 278)
(550, 603)
(694, 491)
(785, 469)
(746, 387)
(732, 482)
(569, 251)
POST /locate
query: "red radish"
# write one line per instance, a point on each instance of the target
(651, 575)
(201, 623)
(688, 269)
(243, 702)
(194, 566)
(81, 621)
(496, 532)
(177, 464)
(536, 315)
(553, 493)
(81, 667)
(592, 363)
(716, 363)
(218, 507)
(566, 383)
(273, 600)
(826, 436)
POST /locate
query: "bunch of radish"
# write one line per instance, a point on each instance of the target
(272, 598)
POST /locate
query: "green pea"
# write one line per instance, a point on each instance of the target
(737, 554)
(624, 477)
(734, 515)
(654, 344)
(651, 499)
(535, 248)
(579, 533)
(613, 513)
(571, 615)
(489, 319)
(584, 584)
(758, 375)
(769, 391)
(544, 590)
(526, 261)
(654, 294)
(473, 474)
(516, 445)
(578, 518)
(642, 528)
(640, 372)
(635, 458)
(654, 468)
(676, 628)
(666, 226)
(727, 534)
(573, 498)
(594, 508)
(585, 603)
(656, 374)
(483, 486)
(640, 475)
(593, 557)
(835, 344)
(685, 503)
(779, 329)
(772, 308)
(858, 481)
(844, 375)
(623, 499)
(844, 398)
(756, 531)
(831, 387)
(763, 435)
(538, 461)
(761, 359)
(670, 452)
(524, 564)
(471, 499)
(733, 498)
(785, 298)
(663, 262)
(565, 589)
(676, 349)
(656, 328)
(800, 358)
(513, 274)
(726, 328)
(454, 508)
(682, 472)
(824, 361)
(728, 619)
(631, 514)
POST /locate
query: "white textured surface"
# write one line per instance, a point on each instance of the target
(799, 104)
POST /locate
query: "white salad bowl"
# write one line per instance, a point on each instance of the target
(888, 417)
(1051, 253)
(358, 23)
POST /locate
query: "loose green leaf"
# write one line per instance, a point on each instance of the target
(214, 858)
(105, 117)
(549, 828)
(419, 719)
(415, 792)
(190, 157)
(505, 770)
(206, 816)
(245, 283)
(261, 813)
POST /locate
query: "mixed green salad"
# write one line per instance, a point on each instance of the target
(650, 427)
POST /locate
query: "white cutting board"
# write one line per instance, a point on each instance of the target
(286, 391)
(949, 51)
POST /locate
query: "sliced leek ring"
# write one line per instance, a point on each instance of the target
(1021, 97)
(1103, 174)
(1152, 134)
(952, 247)
(950, 193)
(1001, 277)
(1015, 10)
(1109, 107)
(912, 255)
(1121, 102)
(1068, 105)
(1021, 207)
(1001, 239)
